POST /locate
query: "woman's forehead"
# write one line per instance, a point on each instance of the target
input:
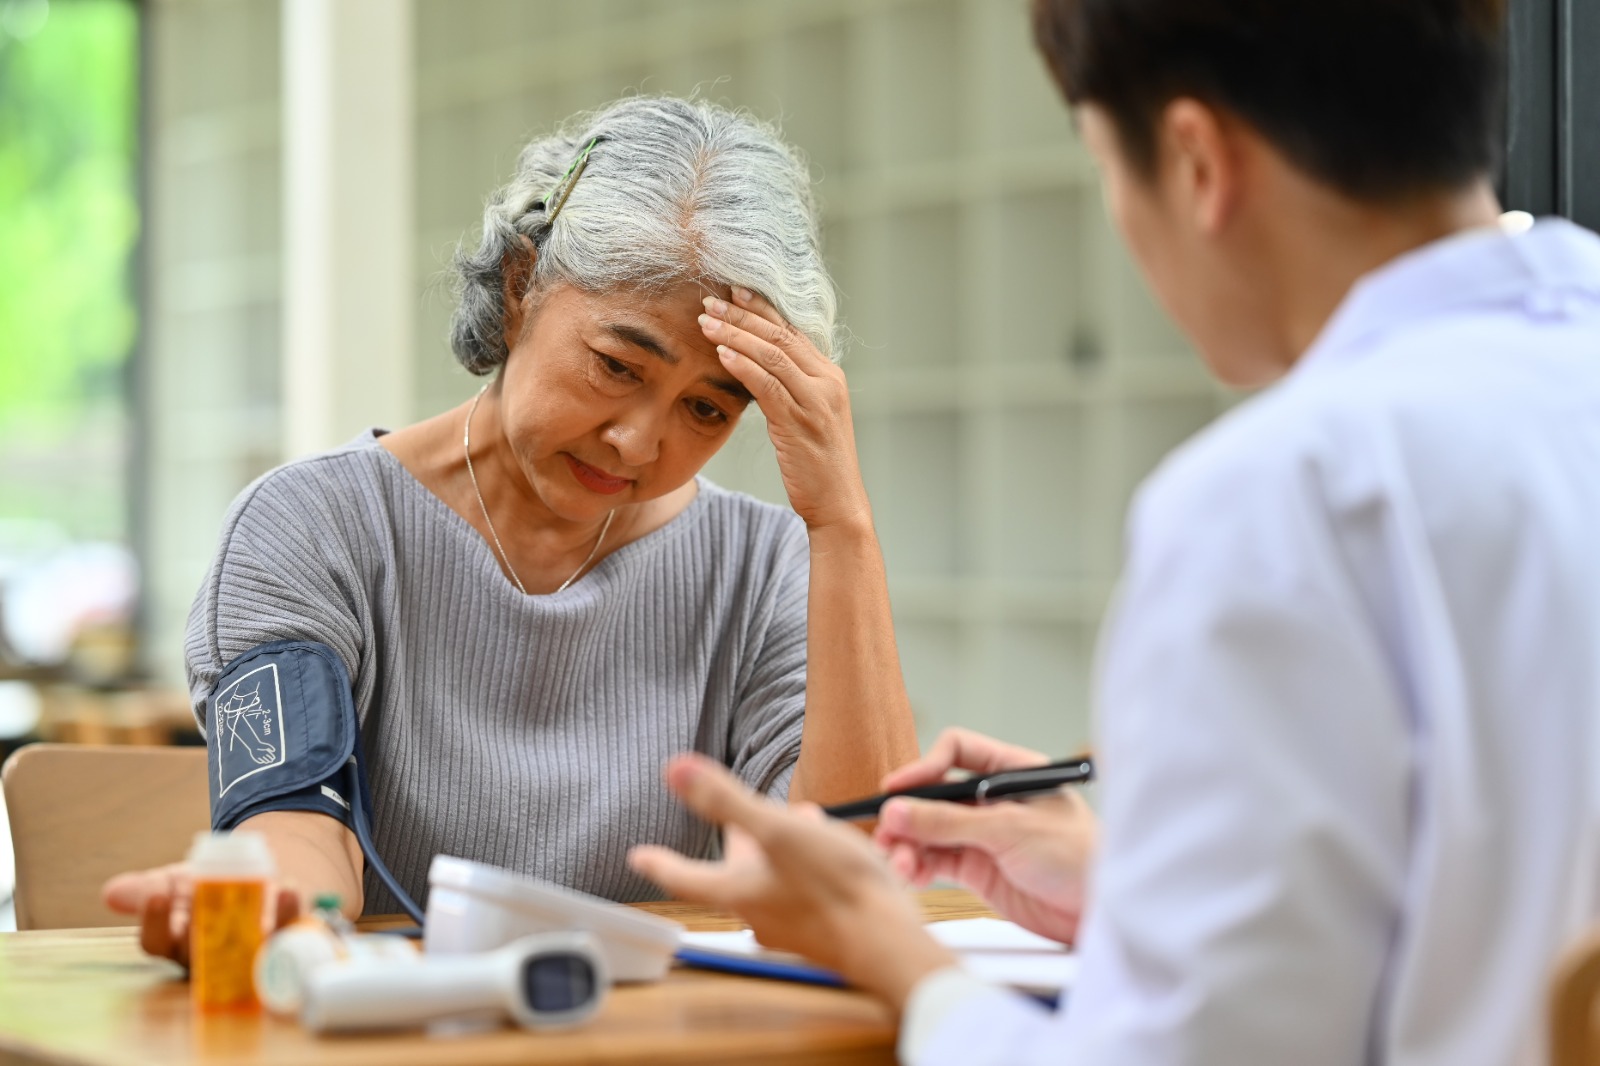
(662, 322)
(676, 298)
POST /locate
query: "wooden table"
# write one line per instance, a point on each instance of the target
(89, 996)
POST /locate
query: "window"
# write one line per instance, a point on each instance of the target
(69, 221)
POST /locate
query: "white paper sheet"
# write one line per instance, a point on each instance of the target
(994, 950)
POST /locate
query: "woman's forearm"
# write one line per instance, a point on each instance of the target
(858, 722)
(316, 855)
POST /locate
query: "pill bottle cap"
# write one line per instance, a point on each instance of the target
(243, 854)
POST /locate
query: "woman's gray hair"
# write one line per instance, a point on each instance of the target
(676, 190)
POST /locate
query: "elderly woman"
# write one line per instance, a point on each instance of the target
(534, 596)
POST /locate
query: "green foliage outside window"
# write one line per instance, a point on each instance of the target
(68, 222)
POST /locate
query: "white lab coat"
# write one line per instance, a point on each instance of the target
(1349, 700)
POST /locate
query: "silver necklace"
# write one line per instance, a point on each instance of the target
(466, 444)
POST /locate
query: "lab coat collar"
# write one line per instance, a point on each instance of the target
(1553, 262)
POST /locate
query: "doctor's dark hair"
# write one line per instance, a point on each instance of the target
(674, 190)
(1378, 99)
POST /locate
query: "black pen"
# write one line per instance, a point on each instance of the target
(1006, 784)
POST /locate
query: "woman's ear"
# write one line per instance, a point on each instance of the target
(516, 274)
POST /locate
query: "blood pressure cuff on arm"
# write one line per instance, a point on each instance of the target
(282, 735)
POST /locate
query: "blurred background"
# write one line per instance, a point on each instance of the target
(223, 225)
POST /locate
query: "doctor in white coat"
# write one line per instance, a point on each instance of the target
(1349, 699)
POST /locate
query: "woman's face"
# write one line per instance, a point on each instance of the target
(614, 398)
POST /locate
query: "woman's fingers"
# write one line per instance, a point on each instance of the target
(284, 909)
(788, 338)
(754, 327)
(757, 317)
(764, 353)
(766, 389)
(157, 935)
(163, 901)
(125, 893)
(160, 898)
(961, 749)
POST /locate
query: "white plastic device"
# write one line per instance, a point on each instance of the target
(287, 960)
(473, 907)
(547, 981)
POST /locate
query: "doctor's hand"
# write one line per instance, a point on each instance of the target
(806, 401)
(1029, 860)
(162, 897)
(805, 884)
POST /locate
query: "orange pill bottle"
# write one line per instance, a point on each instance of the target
(231, 873)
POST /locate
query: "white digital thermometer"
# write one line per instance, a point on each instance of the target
(544, 981)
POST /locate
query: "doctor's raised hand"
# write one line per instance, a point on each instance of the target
(804, 883)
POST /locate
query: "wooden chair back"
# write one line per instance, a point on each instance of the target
(1574, 995)
(81, 813)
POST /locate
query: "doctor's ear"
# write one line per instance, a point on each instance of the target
(516, 278)
(1201, 162)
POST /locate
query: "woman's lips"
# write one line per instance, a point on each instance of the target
(595, 480)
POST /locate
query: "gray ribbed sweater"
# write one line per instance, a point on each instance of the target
(523, 731)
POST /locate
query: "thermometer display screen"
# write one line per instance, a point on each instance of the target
(558, 982)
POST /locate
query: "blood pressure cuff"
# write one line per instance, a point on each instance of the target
(282, 735)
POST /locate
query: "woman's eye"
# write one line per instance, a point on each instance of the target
(707, 412)
(616, 367)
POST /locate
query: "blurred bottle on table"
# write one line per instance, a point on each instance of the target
(231, 872)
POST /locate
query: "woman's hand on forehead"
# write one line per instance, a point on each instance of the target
(806, 401)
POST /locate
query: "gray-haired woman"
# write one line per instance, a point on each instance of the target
(535, 597)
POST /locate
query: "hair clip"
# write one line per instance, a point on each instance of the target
(574, 172)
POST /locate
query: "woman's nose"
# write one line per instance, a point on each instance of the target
(636, 437)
